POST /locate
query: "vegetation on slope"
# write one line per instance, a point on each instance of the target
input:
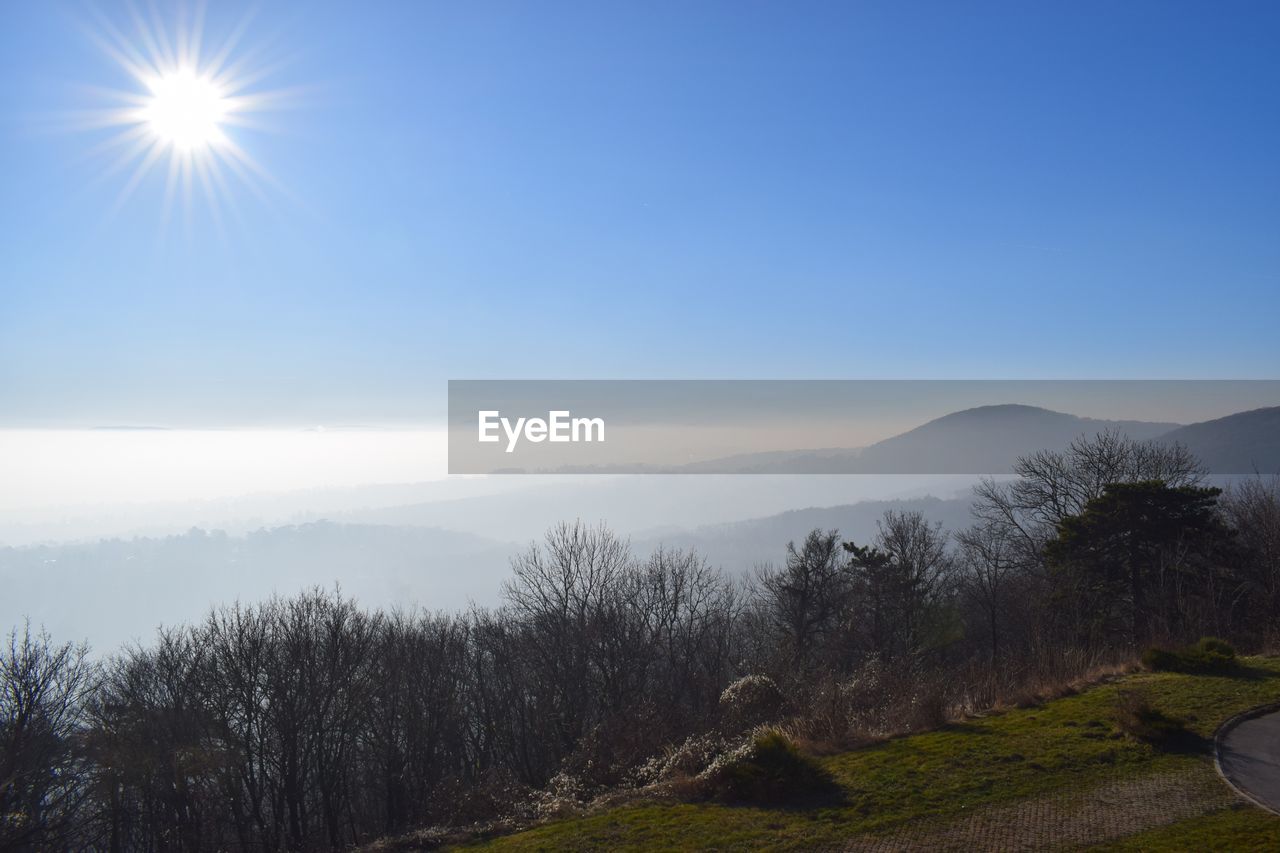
(312, 723)
(1070, 743)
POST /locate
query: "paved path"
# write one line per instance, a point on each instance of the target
(1249, 756)
(1065, 819)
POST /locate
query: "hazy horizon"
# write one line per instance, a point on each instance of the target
(94, 468)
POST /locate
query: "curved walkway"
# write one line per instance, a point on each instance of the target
(1248, 756)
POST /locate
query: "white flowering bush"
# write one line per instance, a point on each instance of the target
(687, 760)
(750, 701)
(563, 796)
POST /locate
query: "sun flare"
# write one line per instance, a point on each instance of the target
(186, 110)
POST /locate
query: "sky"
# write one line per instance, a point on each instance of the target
(645, 190)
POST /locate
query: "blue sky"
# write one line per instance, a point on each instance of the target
(652, 190)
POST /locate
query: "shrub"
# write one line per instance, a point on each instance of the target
(1213, 645)
(1162, 660)
(928, 708)
(685, 761)
(751, 701)
(875, 701)
(1138, 718)
(768, 770)
(496, 794)
(1207, 656)
(564, 796)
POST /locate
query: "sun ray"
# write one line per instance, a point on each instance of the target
(170, 185)
(202, 168)
(153, 153)
(187, 109)
(150, 46)
(245, 174)
(128, 137)
(245, 70)
(233, 153)
(135, 141)
(116, 46)
(188, 191)
(224, 190)
(216, 64)
(134, 98)
(161, 35)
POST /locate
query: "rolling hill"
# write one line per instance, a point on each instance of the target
(989, 439)
(1237, 444)
(981, 440)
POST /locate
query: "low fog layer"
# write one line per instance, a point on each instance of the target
(440, 544)
(116, 590)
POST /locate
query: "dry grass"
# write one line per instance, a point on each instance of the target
(1040, 691)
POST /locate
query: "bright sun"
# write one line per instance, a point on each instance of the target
(185, 110)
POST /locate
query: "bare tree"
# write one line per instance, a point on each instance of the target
(1252, 508)
(807, 597)
(694, 608)
(155, 771)
(561, 591)
(901, 580)
(413, 743)
(1052, 485)
(43, 692)
(986, 567)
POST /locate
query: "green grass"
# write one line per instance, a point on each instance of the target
(1068, 744)
(1244, 828)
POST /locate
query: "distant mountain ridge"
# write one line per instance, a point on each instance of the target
(1237, 444)
(989, 440)
(986, 440)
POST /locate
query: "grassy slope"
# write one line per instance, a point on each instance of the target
(1244, 828)
(1069, 743)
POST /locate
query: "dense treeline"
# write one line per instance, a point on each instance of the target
(309, 723)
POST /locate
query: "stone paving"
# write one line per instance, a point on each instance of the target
(1064, 820)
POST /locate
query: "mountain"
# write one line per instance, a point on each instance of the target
(988, 439)
(982, 440)
(1237, 444)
